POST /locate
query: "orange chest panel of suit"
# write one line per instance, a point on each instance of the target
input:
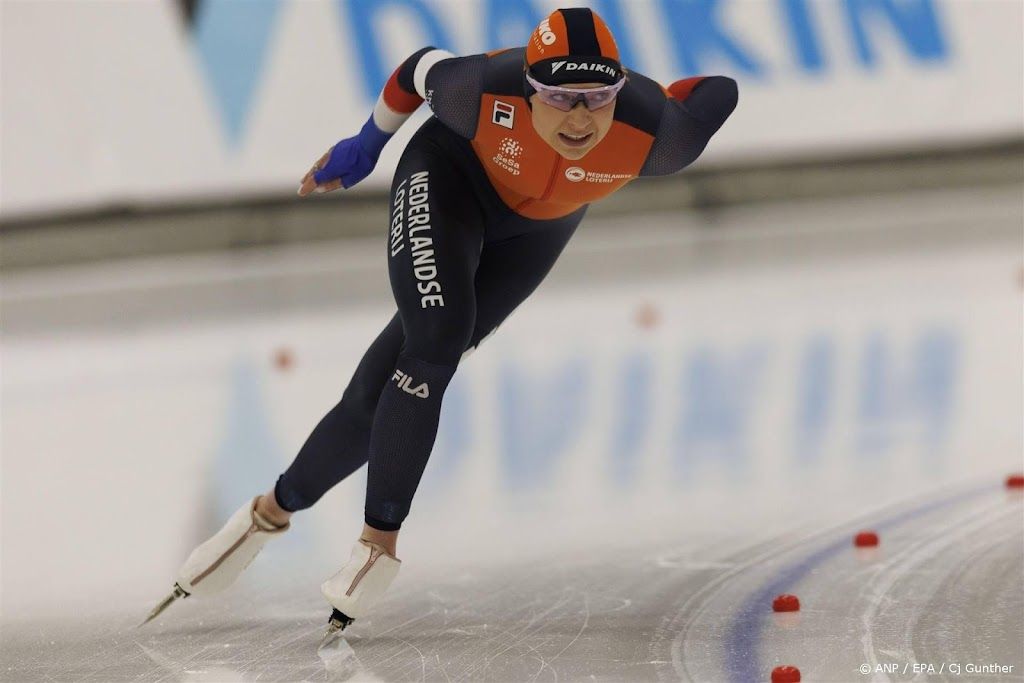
(537, 182)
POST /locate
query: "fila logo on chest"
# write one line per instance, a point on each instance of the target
(503, 114)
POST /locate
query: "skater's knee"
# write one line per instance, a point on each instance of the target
(360, 399)
(441, 344)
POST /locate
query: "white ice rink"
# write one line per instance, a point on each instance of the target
(689, 419)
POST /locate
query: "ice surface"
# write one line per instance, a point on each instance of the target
(944, 587)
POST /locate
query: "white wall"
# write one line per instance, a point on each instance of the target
(109, 102)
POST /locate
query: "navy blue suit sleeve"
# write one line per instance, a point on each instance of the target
(454, 87)
(687, 126)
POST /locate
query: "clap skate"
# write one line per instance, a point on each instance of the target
(215, 564)
(358, 586)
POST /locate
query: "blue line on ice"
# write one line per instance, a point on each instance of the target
(743, 640)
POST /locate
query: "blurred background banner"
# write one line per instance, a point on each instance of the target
(140, 103)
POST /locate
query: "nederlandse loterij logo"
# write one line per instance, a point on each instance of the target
(404, 381)
(575, 174)
(504, 114)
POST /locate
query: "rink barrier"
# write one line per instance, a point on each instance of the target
(192, 226)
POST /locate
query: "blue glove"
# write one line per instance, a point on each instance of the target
(353, 158)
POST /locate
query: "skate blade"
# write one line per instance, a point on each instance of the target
(335, 625)
(330, 635)
(177, 593)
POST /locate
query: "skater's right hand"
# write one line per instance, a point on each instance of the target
(347, 162)
(343, 165)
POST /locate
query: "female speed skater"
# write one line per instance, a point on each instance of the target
(485, 197)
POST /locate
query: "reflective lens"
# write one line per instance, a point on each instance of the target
(564, 99)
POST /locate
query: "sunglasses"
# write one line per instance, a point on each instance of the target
(564, 99)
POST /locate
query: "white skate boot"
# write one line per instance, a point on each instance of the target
(359, 585)
(216, 563)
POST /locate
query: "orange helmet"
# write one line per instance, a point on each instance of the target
(573, 46)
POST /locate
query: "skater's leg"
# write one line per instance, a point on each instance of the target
(339, 444)
(512, 269)
(434, 248)
(507, 273)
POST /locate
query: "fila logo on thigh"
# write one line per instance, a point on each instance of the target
(404, 383)
(503, 114)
